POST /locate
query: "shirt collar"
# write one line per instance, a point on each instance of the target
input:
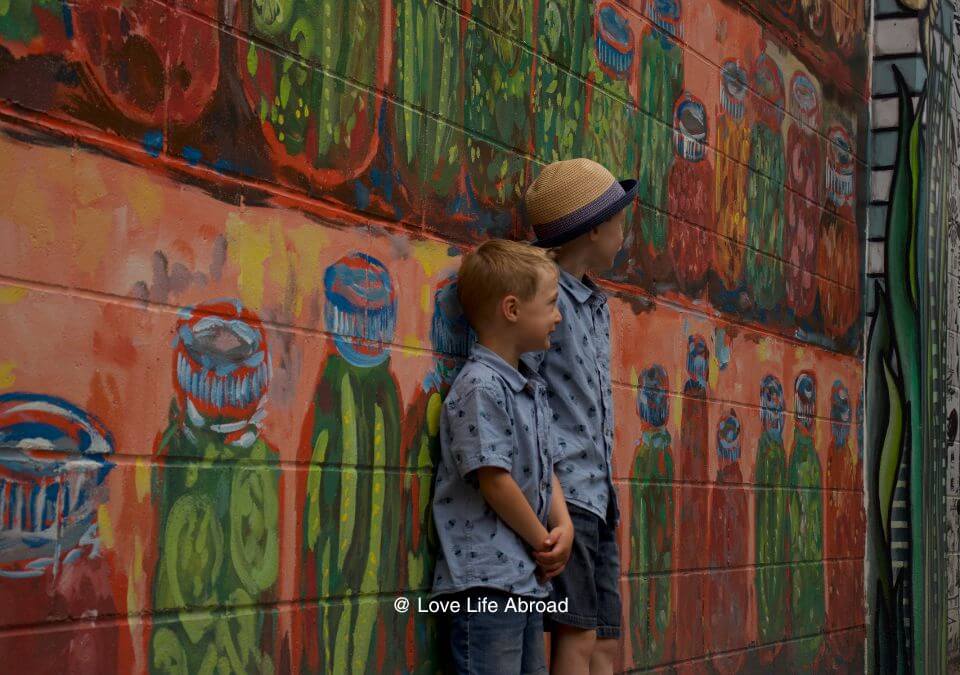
(580, 289)
(517, 379)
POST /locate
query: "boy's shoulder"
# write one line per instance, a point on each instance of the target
(476, 376)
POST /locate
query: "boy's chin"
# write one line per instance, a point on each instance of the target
(537, 347)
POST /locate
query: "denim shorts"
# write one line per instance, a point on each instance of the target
(591, 579)
(495, 643)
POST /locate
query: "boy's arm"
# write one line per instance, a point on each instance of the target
(504, 496)
(558, 506)
(554, 558)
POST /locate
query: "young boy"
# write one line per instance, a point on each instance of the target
(576, 208)
(496, 493)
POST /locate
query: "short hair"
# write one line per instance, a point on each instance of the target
(495, 269)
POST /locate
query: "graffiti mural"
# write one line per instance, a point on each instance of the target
(909, 447)
(229, 317)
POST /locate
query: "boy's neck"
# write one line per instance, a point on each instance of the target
(501, 345)
(573, 263)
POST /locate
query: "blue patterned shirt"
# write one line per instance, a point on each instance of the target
(494, 416)
(580, 390)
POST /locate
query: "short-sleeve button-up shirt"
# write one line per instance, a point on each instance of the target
(494, 415)
(576, 369)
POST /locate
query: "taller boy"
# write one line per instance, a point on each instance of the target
(576, 208)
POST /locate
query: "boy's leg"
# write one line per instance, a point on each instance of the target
(609, 611)
(574, 631)
(571, 649)
(534, 660)
(488, 643)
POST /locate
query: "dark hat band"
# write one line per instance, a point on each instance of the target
(617, 197)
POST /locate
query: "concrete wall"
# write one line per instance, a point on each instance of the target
(190, 482)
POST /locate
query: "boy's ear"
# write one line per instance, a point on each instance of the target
(510, 308)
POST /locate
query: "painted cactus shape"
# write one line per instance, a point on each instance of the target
(218, 539)
(651, 524)
(353, 500)
(497, 84)
(838, 282)
(771, 527)
(319, 128)
(661, 81)
(152, 64)
(764, 264)
(426, 75)
(611, 122)
(692, 501)
(450, 336)
(803, 195)
(806, 529)
(559, 102)
(690, 202)
(730, 194)
(727, 597)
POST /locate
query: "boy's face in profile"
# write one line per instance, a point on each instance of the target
(608, 242)
(538, 316)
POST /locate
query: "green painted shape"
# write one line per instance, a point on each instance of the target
(343, 38)
(772, 539)
(497, 81)
(661, 81)
(357, 413)
(218, 545)
(563, 36)
(421, 554)
(651, 544)
(807, 604)
(765, 214)
(427, 73)
(900, 268)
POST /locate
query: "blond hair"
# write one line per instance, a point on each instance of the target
(498, 268)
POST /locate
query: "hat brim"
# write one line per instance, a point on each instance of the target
(630, 192)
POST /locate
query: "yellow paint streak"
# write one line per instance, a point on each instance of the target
(306, 245)
(634, 378)
(248, 247)
(7, 378)
(676, 405)
(425, 299)
(105, 525)
(141, 478)
(284, 257)
(763, 350)
(431, 256)
(135, 574)
(713, 372)
(144, 196)
(411, 341)
(11, 295)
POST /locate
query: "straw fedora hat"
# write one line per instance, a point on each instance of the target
(572, 197)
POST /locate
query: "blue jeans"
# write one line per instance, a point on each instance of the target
(496, 643)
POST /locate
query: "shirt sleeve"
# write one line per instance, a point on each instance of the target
(482, 431)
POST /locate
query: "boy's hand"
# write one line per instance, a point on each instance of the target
(557, 548)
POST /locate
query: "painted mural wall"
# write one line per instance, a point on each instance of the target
(227, 250)
(913, 305)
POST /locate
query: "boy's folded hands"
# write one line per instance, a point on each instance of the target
(553, 556)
